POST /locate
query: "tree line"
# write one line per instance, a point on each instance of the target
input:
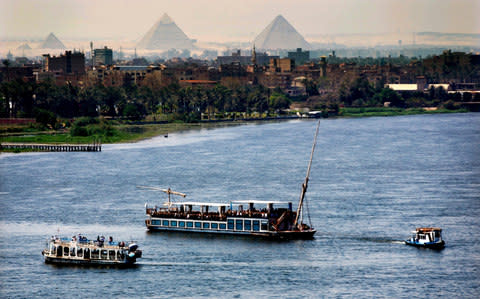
(31, 99)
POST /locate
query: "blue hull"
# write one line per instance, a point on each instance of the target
(287, 235)
(432, 245)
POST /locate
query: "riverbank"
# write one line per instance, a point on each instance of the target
(122, 133)
(384, 111)
(129, 132)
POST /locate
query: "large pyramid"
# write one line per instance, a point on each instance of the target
(279, 34)
(52, 42)
(165, 35)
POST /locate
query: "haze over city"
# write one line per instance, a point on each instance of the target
(225, 20)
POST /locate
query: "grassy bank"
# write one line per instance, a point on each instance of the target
(385, 111)
(120, 133)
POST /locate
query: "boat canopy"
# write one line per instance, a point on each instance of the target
(265, 202)
(427, 229)
(222, 204)
(195, 203)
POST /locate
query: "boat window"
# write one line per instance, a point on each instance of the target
(230, 223)
(53, 250)
(103, 254)
(173, 223)
(72, 251)
(165, 222)
(264, 225)
(189, 224)
(206, 225)
(248, 224)
(87, 253)
(223, 226)
(239, 224)
(214, 225)
(198, 224)
(111, 255)
(155, 222)
(65, 251)
(181, 223)
(59, 251)
(120, 255)
(95, 254)
(256, 225)
(80, 252)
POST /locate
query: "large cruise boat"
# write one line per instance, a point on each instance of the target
(82, 251)
(265, 218)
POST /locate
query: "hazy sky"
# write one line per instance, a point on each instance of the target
(218, 20)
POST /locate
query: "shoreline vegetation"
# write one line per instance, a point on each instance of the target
(100, 130)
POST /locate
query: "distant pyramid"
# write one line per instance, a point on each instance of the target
(24, 46)
(52, 42)
(279, 34)
(165, 35)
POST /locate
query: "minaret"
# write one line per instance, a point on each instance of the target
(255, 68)
(254, 56)
(92, 57)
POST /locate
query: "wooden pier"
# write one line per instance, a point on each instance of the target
(36, 147)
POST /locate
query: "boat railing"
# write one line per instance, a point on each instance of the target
(92, 243)
(216, 216)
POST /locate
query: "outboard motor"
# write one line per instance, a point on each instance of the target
(133, 251)
(132, 247)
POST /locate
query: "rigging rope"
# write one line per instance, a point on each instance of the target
(308, 213)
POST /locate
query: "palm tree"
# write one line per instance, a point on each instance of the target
(6, 63)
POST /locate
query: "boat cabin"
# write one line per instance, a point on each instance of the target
(427, 235)
(249, 216)
(81, 250)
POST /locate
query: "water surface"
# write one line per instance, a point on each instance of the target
(373, 181)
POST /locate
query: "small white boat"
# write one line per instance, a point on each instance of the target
(427, 237)
(82, 251)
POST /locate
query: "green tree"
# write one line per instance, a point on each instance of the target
(391, 96)
(279, 101)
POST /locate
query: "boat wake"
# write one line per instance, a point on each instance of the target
(367, 238)
(189, 264)
(380, 240)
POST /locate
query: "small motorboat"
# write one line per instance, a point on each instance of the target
(427, 237)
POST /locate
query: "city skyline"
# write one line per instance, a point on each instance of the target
(226, 20)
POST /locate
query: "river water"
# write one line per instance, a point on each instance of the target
(373, 181)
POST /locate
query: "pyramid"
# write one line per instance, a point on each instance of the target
(52, 42)
(24, 46)
(165, 35)
(279, 34)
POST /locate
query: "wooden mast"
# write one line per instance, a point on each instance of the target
(305, 183)
(169, 191)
